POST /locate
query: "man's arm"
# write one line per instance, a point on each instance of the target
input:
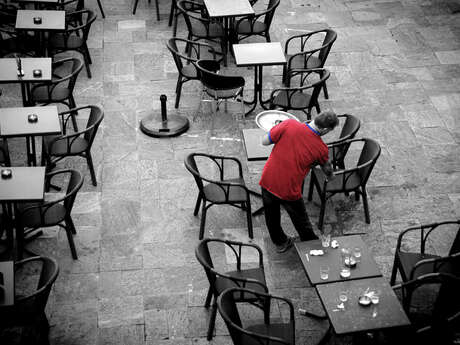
(266, 139)
(327, 169)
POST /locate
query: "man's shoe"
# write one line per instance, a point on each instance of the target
(286, 245)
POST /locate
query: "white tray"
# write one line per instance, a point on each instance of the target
(269, 118)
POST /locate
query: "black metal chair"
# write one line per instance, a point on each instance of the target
(14, 42)
(411, 264)
(56, 148)
(222, 190)
(200, 27)
(56, 212)
(304, 95)
(185, 60)
(303, 51)
(219, 87)
(432, 303)
(156, 6)
(347, 180)
(252, 278)
(76, 5)
(257, 24)
(74, 38)
(60, 89)
(25, 322)
(277, 327)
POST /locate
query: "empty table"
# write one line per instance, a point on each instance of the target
(258, 55)
(14, 122)
(354, 318)
(49, 21)
(6, 283)
(255, 151)
(367, 267)
(9, 73)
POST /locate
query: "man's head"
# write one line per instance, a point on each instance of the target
(326, 121)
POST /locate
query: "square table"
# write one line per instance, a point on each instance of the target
(26, 184)
(255, 151)
(51, 21)
(366, 268)
(388, 313)
(7, 282)
(8, 73)
(14, 123)
(258, 55)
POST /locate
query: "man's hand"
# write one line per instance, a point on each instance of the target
(266, 140)
(327, 169)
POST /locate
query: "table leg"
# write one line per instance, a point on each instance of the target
(253, 102)
(99, 3)
(261, 101)
(31, 152)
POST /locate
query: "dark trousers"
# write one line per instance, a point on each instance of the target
(297, 212)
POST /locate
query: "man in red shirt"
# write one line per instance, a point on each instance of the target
(298, 147)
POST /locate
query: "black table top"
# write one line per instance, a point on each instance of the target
(220, 8)
(259, 54)
(8, 70)
(252, 139)
(332, 258)
(14, 121)
(26, 184)
(7, 282)
(51, 20)
(354, 318)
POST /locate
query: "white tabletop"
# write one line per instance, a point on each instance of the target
(251, 54)
(224, 8)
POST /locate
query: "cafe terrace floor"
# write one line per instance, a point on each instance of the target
(395, 65)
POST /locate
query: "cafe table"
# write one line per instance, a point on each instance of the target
(351, 317)
(252, 139)
(25, 184)
(219, 9)
(332, 258)
(9, 74)
(15, 122)
(49, 21)
(258, 55)
(6, 283)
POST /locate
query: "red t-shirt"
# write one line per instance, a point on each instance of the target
(297, 148)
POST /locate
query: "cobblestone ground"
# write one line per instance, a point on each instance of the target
(395, 65)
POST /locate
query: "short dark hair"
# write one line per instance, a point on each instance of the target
(326, 119)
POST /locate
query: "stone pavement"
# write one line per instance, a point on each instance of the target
(395, 65)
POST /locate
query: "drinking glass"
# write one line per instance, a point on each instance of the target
(375, 296)
(345, 272)
(343, 296)
(325, 240)
(345, 253)
(324, 272)
(357, 253)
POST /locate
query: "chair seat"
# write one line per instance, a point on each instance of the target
(59, 147)
(222, 94)
(216, 194)
(53, 216)
(252, 273)
(335, 185)
(299, 62)
(190, 71)
(279, 330)
(61, 41)
(60, 93)
(215, 31)
(408, 261)
(244, 27)
(300, 100)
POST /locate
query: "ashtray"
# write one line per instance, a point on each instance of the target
(6, 173)
(350, 262)
(334, 244)
(20, 73)
(37, 20)
(364, 300)
(37, 73)
(32, 118)
(270, 118)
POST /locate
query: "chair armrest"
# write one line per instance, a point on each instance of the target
(300, 36)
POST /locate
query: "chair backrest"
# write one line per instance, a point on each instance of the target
(72, 67)
(369, 154)
(95, 118)
(190, 164)
(432, 303)
(213, 81)
(204, 258)
(195, 18)
(227, 306)
(34, 304)
(350, 127)
(82, 26)
(271, 7)
(329, 40)
(73, 186)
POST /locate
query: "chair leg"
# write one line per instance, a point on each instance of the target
(70, 224)
(203, 219)
(212, 319)
(322, 212)
(176, 19)
(395, 270)
(89, 160)
(366, 206)
(157, 10)
(326, 94)
(135, 6)
(71, 242)
(249, 218)
(178, 91)
(100, 8)
(87, 59)
(207, 303)
(72, 105)
(172, 12)
(197, 205)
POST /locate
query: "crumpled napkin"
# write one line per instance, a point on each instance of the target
(316, 252)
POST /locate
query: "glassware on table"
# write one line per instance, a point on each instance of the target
(345, 271)
(325, 240)
(343, 296)
(374, 296)
(357, 254)
(324, 272)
